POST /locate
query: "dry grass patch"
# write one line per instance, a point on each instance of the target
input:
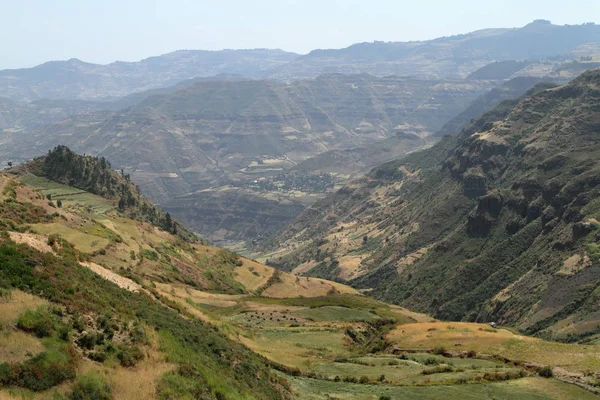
(253, 275)
(574, 264)
(350, 266)
(17, 346)
(82, 241)
(482, 339)
(139, 382)
(38, 242)
(295, 286)
(19, 302)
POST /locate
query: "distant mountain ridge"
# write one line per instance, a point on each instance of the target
(454, 57)
(448, 57)
(75, 79)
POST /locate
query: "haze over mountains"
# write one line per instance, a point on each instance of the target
(454, 57)
(197, 129)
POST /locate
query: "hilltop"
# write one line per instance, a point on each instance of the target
(497, 223)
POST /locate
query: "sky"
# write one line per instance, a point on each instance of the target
(103, 31)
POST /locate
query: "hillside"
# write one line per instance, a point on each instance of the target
(75, 79)
(212, 134)
(495, 224)
(448, 57)
(96, 305)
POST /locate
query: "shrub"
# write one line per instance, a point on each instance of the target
(546, 372)
(91, 387)
(431, 361)
(41, 372)
(40, 322)
(130, 356)
(437, 370)
(440, 351)
(471, 353)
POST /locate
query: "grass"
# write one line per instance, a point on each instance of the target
(16, 304)
(337, 313)
(68, 195)
(478, 337)
(293, 286)
(84, 242)
(299, 347)
(522, 389)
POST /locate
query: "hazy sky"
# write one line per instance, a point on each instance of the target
(102, 31)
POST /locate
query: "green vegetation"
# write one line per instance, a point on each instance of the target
(95, 175)
(90, 387)
(336, 313)
(64, 282)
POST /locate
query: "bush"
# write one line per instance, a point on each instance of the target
(41, 372)
(440, 351)
(437, 370)
(546, 372)
(430, 361)
(40, 322)
(91, 387)
(130, 356)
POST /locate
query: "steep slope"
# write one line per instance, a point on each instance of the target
(448, 57)
(95, 296)
(75, 79)
(497, 223)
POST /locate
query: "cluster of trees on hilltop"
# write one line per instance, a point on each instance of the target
(95, 175)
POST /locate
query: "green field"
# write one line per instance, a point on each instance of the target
(522, 389)
(68, 195)
(336, 313)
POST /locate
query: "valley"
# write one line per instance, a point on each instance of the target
(386, 220)
(318, 337)
(483, 226)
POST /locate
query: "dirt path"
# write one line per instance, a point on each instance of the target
(120, 281)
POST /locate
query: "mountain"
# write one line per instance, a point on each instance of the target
(360, 160)
(97, 303)
(75, 79)
(448, 57)
(497, 223)
(229, 133)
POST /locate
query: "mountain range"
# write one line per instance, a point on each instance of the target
(454, 57)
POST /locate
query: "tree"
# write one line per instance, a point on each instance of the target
(49, 197)
(59, 203)
(9, 164)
